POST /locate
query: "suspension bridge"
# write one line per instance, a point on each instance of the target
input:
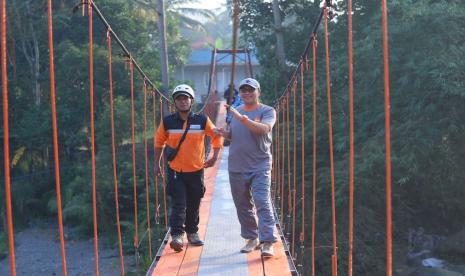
(218, 226)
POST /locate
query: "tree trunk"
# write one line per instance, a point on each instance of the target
(31, 51)
(279, 36)
(36, 68)
(163, 50)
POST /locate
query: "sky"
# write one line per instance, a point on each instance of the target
(209, 4)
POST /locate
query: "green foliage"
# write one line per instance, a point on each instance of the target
(3, 243)
(427, 99)
(33, 179)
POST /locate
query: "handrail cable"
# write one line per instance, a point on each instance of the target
(6, 146)
(331, 148)
(283, 157)
(157, 200)
(113, 153)
(387, 112)
(125, 50)
(304, 54)
(278, 154)
(302, 152)
(289, 182)
(146, 157)
(164, 178)
(314, 178)
(56, 157)
(92, 138)
(294, 164)
(134, 175)
(351, 137)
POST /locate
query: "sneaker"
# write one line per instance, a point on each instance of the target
(267, 249)
(194, 239)
(176, 243)
(250, 246)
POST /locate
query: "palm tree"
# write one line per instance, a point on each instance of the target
(176, 9)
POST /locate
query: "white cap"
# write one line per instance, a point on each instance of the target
(250, 82)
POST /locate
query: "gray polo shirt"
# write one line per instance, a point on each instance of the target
(250, 152)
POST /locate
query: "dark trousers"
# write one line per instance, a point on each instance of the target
(186, 190)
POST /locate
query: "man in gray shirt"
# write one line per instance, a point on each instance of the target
(250, 163)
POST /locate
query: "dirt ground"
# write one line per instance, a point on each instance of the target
(38, 253)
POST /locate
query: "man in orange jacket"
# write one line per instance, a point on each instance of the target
(182, 133)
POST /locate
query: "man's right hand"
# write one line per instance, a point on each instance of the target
(223, 132)
(158, 170)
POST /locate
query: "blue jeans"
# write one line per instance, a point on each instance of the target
(251, 190)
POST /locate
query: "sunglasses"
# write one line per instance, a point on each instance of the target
(247, 90)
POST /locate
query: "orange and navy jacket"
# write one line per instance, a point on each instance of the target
(191, 154)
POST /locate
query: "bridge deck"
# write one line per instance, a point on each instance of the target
(220, 228)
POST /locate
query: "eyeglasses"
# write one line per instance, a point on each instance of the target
(247, 90)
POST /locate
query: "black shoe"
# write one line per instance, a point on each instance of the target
(194, 239)
(176, 243)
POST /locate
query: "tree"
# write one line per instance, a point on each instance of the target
(279, 35)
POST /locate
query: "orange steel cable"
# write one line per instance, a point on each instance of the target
(92, 137)
(273, 165)
(163, 178)
(133, 134)
(276, 154)
(289, 187)
(283, 165)
(113, 152)
(314, 45)
(351, 137)
(294, 164)
(277, 187)
(302, 121)
(157, 204)
(6, 146)
(146, 155)
(55, 137)
(387, 112)
(275, 161)
(331, 150)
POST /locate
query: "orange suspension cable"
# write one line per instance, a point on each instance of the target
(55, 137)
(289, 187)
(113, 152)
(351, 137)
(278, 154)
(157, 205)
(302, 121)
(387, 112)
(314, 45)
(92, 137)
(163, 178)
(133, 141)
(275, 161)
(147, 198)
(294, 164)
(331, 151)
(283, 165)
(6, 146)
